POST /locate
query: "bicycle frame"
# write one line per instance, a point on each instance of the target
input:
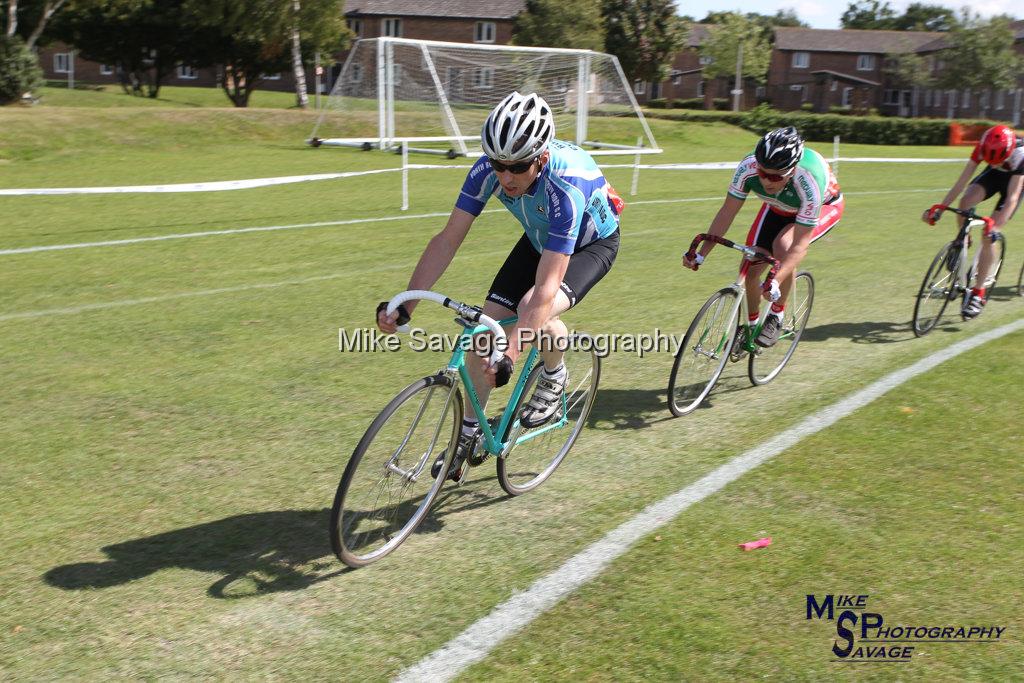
(971, 220)
(752, 256)
(474, 322)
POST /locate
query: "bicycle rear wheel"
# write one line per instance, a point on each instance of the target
(704, 352)
(993, 275)
(937, 289)
(387, 489)
(534, 454)
(766, 363)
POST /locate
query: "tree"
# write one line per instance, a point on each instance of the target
(550, 23)
(909, 69)
(980, 55)
(29, 18)
(644, 34)
(301, 98)
(784, 17)
(250, 38)
(869, 14)
(721, 50)
(145, 40)
(19, 70)
(922, 17)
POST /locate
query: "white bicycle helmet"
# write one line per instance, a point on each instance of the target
(518, 129)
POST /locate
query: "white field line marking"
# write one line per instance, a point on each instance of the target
(85, 308)
(473, 644)
(354, 221)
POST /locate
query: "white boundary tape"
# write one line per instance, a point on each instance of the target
(354, 221)
(474, 643)
(225, 185)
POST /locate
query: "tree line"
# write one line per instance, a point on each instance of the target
(145, 40)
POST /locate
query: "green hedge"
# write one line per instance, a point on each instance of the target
(876, 130)
(720, 103)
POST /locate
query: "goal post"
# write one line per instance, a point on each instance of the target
(434, 96)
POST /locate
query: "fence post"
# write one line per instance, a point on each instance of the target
(405, 175)
(636, 168)
(835, 156)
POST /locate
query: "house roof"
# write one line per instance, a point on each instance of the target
(943, 40)
(475, 9)
(697, 34)
(852, 40)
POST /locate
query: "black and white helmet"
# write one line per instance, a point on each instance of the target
(780, 149)
(518, 129)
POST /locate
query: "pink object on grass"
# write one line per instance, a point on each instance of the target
(759, 543)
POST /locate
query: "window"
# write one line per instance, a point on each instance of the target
(800, 89)
(704, 61)
(1000, 99)
(561, 84)
(801, 60)
(967, 100)
(983, 99)
(891, 97)
(865, 62)
(835, 85)
(952, 99)
(271, 77)
(927, 98)
(639, 87)
(356, 26)
(187, 72)
(106, 70)
(937, 99)
(677, 77)
(391, 27)
(847, 97)
(760, 92)
(356, 74)
(700, 89)
(396, 74)
(483, 77)
(484, 32)
(62, 62)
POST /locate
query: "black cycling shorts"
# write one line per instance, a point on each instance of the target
(993, 181)
(519, 272)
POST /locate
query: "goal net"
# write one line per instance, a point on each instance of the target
(434, 96)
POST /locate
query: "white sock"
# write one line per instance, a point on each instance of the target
(557, 373)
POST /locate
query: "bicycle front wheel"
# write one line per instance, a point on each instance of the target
(937, 288)
(766, 363)
(704, 352)
(387, 487)
(533, 454)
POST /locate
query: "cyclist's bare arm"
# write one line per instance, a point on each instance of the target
(1003, 215)
(957, 188)
(719, 225)
(435, 259)
(537, 310)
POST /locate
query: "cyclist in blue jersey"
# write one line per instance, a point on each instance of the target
(570, 216)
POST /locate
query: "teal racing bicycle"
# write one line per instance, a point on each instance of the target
(391, 480)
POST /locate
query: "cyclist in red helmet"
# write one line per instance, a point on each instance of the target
(1003, 150)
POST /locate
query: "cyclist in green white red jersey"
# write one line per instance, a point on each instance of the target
(802, 202)
(1003, 150)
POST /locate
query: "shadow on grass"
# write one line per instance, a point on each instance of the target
(255, 554)
(867, 332)
(262, 552)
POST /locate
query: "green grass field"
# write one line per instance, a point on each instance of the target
(177, 416)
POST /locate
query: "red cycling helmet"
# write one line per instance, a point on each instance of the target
(996, 144)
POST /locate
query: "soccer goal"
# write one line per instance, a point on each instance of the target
(434, 96)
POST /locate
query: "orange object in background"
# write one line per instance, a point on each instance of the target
(965, 135)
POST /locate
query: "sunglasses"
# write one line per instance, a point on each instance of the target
(517, 168)
(773, 177)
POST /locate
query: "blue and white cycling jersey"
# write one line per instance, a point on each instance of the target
(567, 207)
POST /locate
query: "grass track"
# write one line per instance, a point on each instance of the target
(167, 465)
